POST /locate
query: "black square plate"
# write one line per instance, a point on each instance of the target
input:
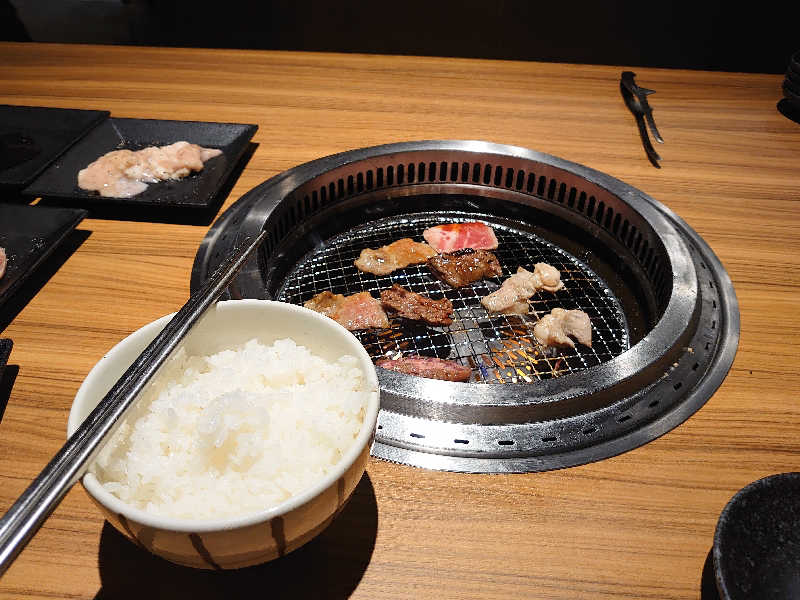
(5, 384)
(30, 234)
(198, 190)
(32, 137)
(5, 352)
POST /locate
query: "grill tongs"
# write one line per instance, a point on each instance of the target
(636, 100)
(28, 513)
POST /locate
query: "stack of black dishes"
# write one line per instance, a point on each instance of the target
(789, 105)
(756, 549)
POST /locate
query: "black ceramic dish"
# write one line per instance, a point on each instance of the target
(757, 541)
(199, 190)
(789, 110)
(793, 77)
(29, 235)
(791, 92)
(794, 62)
(32, 137)
(789, 105)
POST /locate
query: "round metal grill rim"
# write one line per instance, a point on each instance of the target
(693, 401)
(447, 398)
(249, 214)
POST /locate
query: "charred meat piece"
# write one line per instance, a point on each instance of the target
(417, 307)
(359, 311)
(397, 255)
(560, 326)
(511, 297)
(455, 236)
(427, 366)
(466, 266)
(326, 303)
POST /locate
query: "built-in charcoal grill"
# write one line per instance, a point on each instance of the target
(665, 321)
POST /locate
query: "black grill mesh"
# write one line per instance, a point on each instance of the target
(498, 348)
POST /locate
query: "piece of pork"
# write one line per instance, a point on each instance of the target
(417, 307)
(3, 261)
(511, 297)
(397, 255)
(125, 173)
(358, 311)
(427, 366)
(560, 327)
(326, 303)
(456, 236)
(466, 266)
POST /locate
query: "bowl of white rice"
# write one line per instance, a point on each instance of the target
(245, 445)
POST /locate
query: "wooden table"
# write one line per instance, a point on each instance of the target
(639, 525)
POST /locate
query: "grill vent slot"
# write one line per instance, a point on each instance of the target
(523, 180)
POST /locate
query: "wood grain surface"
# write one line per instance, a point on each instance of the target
(639, 525)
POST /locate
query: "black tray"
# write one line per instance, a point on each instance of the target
(5, 383)
(5, 351)
(199, 190)
(30, 234)
(32, 137)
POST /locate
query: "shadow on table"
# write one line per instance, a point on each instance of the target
(40, 276)
(708, 583)
(181, 215)
(329, 566)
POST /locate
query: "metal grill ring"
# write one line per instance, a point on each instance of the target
(663, 310)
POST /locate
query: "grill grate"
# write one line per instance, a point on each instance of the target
(498, 348)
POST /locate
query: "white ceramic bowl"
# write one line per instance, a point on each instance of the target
(230, 543)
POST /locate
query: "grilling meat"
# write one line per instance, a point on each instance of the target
(466, 266)
(560, 326)
(359, 311)
(512, 296)
(3, 261)
(396, 255)
(427, 366)
(417, 307)
(455, 236)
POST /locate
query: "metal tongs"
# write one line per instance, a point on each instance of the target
(636, 100)
(28, 513)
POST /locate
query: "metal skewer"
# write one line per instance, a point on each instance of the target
(66, 468)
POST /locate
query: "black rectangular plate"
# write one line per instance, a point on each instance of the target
(32, 137)
(5, 352)
(30, 234)
(198, 190)
(6, 383)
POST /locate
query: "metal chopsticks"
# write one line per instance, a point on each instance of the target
(39, 500)
(636, 100)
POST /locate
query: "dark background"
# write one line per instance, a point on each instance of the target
(713, 35)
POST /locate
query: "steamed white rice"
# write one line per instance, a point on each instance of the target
(235, 432)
